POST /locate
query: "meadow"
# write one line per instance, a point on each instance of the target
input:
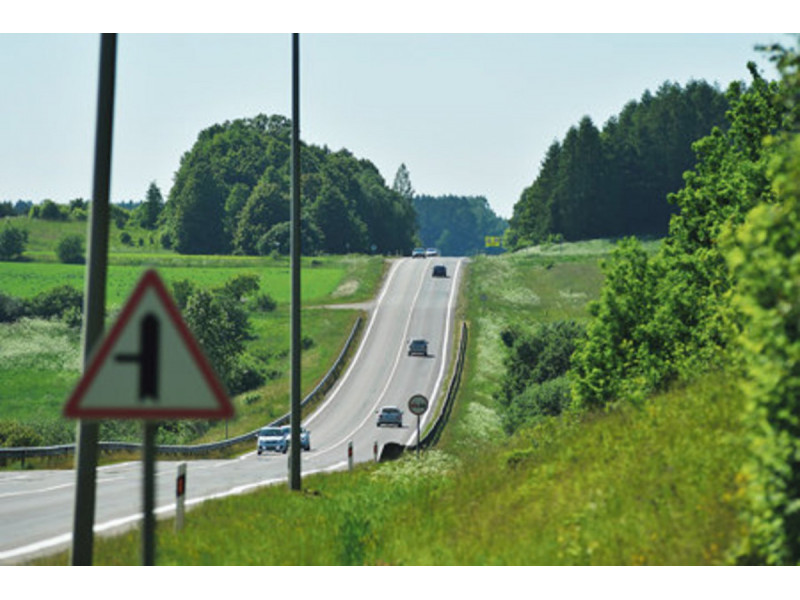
(653, 485)
(40, 360)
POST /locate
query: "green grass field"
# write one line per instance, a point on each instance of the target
(40, 360)
(655, 485)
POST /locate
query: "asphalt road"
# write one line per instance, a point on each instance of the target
(36, 507)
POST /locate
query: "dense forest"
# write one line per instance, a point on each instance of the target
(231, 194)
(615, 181)
(457, 225)
(720, 296)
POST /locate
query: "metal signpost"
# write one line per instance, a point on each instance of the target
(418, 404)
(149, 367)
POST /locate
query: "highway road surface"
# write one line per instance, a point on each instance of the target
(36, 507)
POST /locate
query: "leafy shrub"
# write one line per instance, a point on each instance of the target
(263, 302)
(17, 435)
(220, 326)
(56, 302)
(51, 211)
(13, 240)
(548, 399)
(181, 290)
(70, 250)
(620, 342)
(11, 308)
(247, 374)
(540, 356)
(764, 257)
(125, 238)
(240, 286)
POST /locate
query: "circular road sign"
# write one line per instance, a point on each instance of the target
(418, 404)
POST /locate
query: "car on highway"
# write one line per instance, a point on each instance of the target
(418, 253)
(390, 415)
(418, 348)
(432, 252)
(271, 439)
(305, 437)
(439, 271)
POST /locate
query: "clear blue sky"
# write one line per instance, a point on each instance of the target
(468, 114)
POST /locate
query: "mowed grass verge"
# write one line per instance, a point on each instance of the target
(655, 485)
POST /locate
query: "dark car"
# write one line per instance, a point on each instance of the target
(439, 271)
(390, 415)
(418, 347)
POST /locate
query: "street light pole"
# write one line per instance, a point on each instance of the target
(295, 448)
(94, 301)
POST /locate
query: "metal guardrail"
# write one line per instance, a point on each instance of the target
(321, 389)
(431, 438)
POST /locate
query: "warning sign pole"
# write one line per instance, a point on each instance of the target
(149, 494)
(94, 300)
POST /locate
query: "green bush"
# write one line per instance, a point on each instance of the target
(241, 286)
(11, 308)
(16, 435)
(263, 302)
(537, 357)
(70, 250)
(764, 257)
(13, 240)
(58, 302)
(246, 374)
(181, 290)
(548, 399)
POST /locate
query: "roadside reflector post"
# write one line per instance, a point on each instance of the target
(180, 496)
(350, 455)
(375, 450)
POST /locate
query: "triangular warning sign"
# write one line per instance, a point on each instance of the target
(149, 366)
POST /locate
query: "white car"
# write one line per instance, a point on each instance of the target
(271, 439)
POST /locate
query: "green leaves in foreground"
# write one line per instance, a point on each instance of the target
(766, 260)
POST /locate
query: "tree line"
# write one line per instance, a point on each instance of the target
(457, 225)
(615, 181)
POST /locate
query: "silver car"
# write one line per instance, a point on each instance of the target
(305, 437)
(390, 415)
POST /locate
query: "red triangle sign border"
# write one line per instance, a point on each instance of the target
(149, 280)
